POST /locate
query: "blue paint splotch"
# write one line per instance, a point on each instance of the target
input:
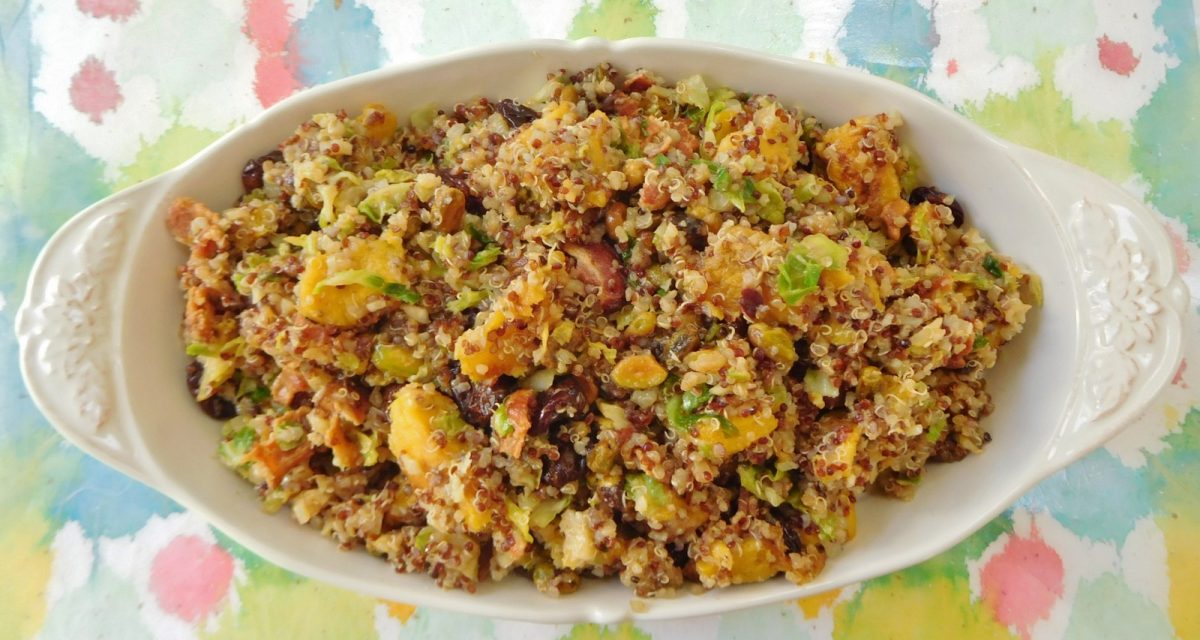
(333, 42)
(1167, 130)
(1096, 498)
(105, 502)
(890, 38)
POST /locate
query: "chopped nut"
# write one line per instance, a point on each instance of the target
(706, 361)
(449, 206)
(598, 265)
(639, 371)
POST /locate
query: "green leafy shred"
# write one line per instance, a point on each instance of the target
(479, 236)
(800, 274)
(485, 256)
(682, 414)
(763, 483)
(992, 266)
(370, 280)
(466, 299)
(501, 424)
(720, 178)
(798, 277)
(774, 209)
(981, 341)
(661, 160)
(936, 428)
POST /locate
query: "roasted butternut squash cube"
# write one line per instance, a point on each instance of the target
(416, 413)
(864, 156)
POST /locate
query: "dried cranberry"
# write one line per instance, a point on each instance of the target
(751, 301)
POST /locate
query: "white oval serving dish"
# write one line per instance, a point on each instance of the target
(102, 356)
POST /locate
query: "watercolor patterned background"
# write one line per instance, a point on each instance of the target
(100, 94)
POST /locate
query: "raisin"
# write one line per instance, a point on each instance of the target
(218, 408)
(562, 470)
(478, 400)
(252, 173)
(933, 196)
(515, 113)
(568, 398)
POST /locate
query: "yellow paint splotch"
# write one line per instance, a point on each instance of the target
(23, 553)
(898, 608)
(812, 605)
(400, 610)
(1180, 533)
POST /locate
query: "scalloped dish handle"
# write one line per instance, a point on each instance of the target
(66, 330)
(1134, 302)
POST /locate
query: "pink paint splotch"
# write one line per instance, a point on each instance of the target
(119, 10)
(952, 67)
(94, 90)
(1022, 582)
(190, 577)
(1178, 379)
(267, 25)
(1183, 259)
(1117, 56)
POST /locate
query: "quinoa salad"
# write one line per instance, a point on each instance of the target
(630, 327)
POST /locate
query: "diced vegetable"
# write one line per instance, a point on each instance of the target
(416, 413)
(396, 360)
(992, 266)
(819, 386)
(681, 412)
(936, 427)
(775, 341)
(800, 274)
(693, 91)
(766, 485)
(466, 299)
(370, 280)
(798, 277)
(545, 511)
(485, 256)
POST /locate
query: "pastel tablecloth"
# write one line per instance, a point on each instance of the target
(100, 94)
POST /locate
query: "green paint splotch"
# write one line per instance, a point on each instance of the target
(1028, 28)
(277, 605)
(1108, 608)
(1042, 118)
(450, 25)
(175, 145)
(623, 631)
(106, 607)
(615, 19)
(772, 26)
